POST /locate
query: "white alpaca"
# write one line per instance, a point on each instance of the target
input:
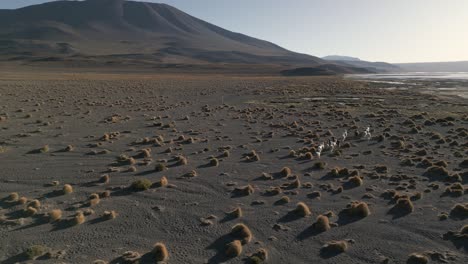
(332, 145)
(345, 135)
(367, 133)
(321, 147)
(319, 150)
(318, 153)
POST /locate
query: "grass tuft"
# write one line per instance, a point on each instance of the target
(79, 218)
(160, 252)
(302, 209)
(55, 215)
(67, 189)
(322, 224)
(141, 185)
(242, 232)
(36, 251)
(234, 249)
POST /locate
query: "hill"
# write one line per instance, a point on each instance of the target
(340, 58)
(118, 32)
(356, 62)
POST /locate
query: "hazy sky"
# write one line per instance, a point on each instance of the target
(376, 30)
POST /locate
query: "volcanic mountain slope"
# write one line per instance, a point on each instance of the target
(126, 31)
(131, 29)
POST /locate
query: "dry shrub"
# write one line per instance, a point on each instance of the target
(160, 167)
(104, 178)
(236, 213)
(417, 196)
(417, 259)
(314, 195)
(456, 190)
(67, 189)
(69, 148)
(335, 247)
(44, 149)
(436, 173)
(35, 204)
(357, 209)
(125, 160)
(308, 156)
(214, 162)
(241, 232)
(322, 224)
(141, 185)
(260, 256)
(339, 172)
(273, 191)
(302, 209)
(244, 190)
(79, 218)
(163, 182)
(403, 206)
(295, 184)
(144, 154)
(234, 249)
(36, 251)
(464, 231)
(381, 169)
(160, 252)
(13, 197)
(355, 181)
(283, 200)
(94, 199)
(460, 211)
(181, 160)
(285, 172)
(320, 165)
(255, 157)
(55, 215)
(30, 211)
(131, 169)
(109, 214)
(22, 200)
(130, 257)
(105, 194)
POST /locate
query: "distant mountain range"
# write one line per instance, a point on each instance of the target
(340, 58)
(356, 62)
(111, 32)
(453, 66)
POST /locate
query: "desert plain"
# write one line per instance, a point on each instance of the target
(205, 168)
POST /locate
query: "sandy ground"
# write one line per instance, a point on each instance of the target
(235, 135)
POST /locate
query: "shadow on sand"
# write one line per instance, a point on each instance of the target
(219, 245)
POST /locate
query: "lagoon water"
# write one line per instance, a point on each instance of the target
(444, 83)
(415, 76)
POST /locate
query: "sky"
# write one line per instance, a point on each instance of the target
(375, 30)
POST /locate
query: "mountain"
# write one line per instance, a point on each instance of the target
(323, 69)
(455, 66)
(339, 58)
(356, 62)
(127, 32)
